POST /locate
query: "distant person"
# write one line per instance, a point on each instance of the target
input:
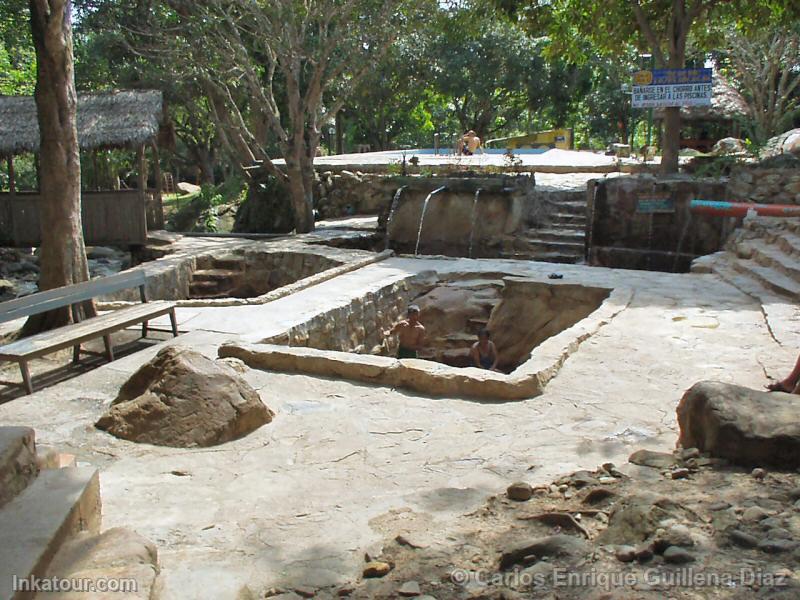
(410, 334)
(484, 352)
(790, 385)
(469, 143)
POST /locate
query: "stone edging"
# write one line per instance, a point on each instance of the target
(432, 378)
(275, 294)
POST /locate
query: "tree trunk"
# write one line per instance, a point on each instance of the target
(301, 202)
(339, 124)
(62, 256)
(671, 140)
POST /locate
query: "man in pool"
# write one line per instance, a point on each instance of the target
(410, 333)
(484, 352)
(468, 144)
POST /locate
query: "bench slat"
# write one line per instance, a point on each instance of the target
(72, 294)
(71, 335)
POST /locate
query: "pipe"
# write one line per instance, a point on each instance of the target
(718, 208)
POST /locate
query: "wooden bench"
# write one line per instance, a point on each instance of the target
(77, 333)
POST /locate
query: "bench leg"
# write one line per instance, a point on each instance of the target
(26, 376)
(174, 322)
(144, 329)
(76, 353)
(109, 348)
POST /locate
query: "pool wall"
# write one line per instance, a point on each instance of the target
(328, 331)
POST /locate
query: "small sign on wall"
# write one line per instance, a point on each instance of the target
(655, 204)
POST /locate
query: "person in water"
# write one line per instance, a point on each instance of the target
(484, 352)
(791, 384)
(410, 333)
(468, 144)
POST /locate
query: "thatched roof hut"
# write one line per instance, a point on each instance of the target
(121, 119)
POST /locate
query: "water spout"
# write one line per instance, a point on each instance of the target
(392, 210)
(473, 220)
(422, 216)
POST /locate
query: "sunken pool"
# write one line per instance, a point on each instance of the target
(536, 325)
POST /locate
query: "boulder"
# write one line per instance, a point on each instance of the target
(729, 145)
(118, 554)
(745, 426)
(183, 399)
(787, 142)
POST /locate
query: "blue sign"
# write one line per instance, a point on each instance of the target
(672, 87)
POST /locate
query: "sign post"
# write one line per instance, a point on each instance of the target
(661, 88)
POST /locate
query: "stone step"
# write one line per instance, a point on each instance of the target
(788, 242)
(569, 218)
(550, 257)
(204, 286)
(572, 208)
(18, 466)
(557, 235)
(208, 289)
(229, 263)
(216, 275)
(769, 255)
(458, 339)
(475, 325)
(58, 504)
(769, 278)
(566, 247)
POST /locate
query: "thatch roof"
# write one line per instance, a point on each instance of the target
(123, 119)
(727, 104)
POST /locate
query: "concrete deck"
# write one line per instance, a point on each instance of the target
(301, 499)
(554, 160)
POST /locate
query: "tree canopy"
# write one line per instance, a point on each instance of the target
(247, 82)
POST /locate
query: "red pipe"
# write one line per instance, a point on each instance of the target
(717, 208)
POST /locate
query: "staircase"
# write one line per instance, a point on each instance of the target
(216, 277)
(762, 256)
(562, 239)
(45, 501)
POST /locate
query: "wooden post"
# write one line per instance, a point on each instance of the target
(158, 204)
(37, 166)
(95, 173)
(141, 182)
(12, 183)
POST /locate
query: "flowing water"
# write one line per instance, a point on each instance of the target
(473, 220)
(422, 216)
(393, 209)
(687, 221)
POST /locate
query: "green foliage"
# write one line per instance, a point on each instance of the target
(24, 174)
(17, 56)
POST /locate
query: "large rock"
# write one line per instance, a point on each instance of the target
(787, 142)
(119, 554)
(183, 399)
(745, 426)
(729, 145)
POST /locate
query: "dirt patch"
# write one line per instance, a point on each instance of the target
(696, 529)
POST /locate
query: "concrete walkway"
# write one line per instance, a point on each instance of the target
(342, 465)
